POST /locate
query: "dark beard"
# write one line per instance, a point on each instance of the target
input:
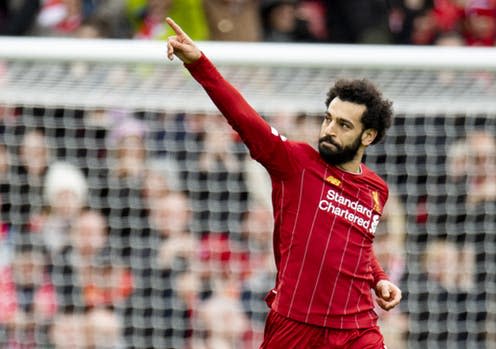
(342, 154)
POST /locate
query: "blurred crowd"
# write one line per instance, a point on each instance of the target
(417, 22)
(139, 234)
(128, 229)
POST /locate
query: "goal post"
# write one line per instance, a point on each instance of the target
(403, 72)
(123, 130)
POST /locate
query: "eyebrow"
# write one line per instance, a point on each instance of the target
(340, 119)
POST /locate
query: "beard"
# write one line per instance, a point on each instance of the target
(342, 154)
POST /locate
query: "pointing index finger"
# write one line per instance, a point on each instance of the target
(174, 26)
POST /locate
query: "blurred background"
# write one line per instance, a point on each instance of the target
(133, 217)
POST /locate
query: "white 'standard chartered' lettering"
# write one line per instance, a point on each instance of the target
(353, 211)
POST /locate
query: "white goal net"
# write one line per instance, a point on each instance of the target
(133, 217)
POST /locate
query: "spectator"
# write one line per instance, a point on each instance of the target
(216, 181)
(412, 22)
(104, 329)
(17, 17)
(69, 330)
(222, 308)
(314, 12)
(107, 282)
(357, 21)
(34, 155)
(440, 264)
(121, 197)
(464, 212)
(93, 28)
(111, 16)
(281, 22)
(66, 192)
(85, 273)
(188, 286)
(422, 22)
(233, 20)
(452, 38)
(161, 177)
(27, 296)
(448, 14)
(170, 217)
(62, 17)
(480, 23)
(443, 299)
(126, 141)
(471, 164)
(257, 236)
(481, 166)
(174, 248)
(222, 265)
(121, 186)
(26, 192)
(147, 17)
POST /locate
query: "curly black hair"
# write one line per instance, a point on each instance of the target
(379, 112)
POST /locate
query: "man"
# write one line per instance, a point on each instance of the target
(326, 208)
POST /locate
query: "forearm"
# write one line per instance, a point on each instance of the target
(377, 272)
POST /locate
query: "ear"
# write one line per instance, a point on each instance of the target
(368, 136)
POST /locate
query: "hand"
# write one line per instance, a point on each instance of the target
(181, 45)
(388, 294)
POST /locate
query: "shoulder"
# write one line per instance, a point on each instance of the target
(374, 180)
(304, 149)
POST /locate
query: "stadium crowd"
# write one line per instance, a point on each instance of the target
(417, 22)
(150, 230)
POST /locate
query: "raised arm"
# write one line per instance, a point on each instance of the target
(265, 143)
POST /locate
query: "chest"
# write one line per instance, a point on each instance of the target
(333, 201)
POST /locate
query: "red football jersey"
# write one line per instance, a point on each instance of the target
(325, 219)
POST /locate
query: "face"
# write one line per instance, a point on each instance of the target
(341, 133)
(34, 152)
(69, 331)
(170, 214)
(481, 159)
(103, 328)
(89, 233)
(28, 268)
(131, 156)
(66, 203)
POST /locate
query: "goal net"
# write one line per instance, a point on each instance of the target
(133, 216)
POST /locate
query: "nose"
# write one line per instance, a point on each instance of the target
(330, 128)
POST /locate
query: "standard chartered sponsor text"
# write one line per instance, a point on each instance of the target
(353, 211)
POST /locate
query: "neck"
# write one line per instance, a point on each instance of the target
(351, 167)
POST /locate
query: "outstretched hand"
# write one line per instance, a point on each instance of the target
(388, 294)
(181, 45)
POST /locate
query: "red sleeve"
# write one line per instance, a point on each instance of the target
(377, 272)
(266, 145)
